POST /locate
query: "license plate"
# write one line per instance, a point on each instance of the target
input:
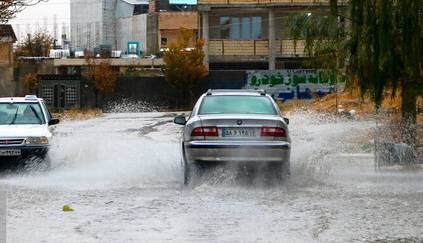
(239, 132)
(10, 152)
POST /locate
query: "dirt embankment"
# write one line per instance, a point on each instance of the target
(351, 101)
(77, 114)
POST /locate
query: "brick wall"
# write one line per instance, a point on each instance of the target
(171, 22)
(6, 53)
(176, 20)
(7, 85)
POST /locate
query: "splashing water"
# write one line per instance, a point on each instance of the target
(114, 151)
(122, 174)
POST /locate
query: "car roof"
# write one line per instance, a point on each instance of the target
(250, 92)
(27, 99)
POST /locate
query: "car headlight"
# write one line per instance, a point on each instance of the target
(36, 140)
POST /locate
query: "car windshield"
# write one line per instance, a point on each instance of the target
(21, 114)
(237, 104)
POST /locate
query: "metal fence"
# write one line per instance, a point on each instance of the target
(60, 92)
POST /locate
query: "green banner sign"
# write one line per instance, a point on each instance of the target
(295, 83)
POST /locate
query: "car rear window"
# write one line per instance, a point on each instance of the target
(237, 104)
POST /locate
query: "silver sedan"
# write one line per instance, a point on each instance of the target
(235, 126)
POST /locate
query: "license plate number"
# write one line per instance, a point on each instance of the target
(238, 132)
(10, 152)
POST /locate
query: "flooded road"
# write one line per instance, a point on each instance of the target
(122, 175)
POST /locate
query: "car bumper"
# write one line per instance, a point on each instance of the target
(24, 150)
(211, 151)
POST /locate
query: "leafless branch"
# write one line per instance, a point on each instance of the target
(9, 8)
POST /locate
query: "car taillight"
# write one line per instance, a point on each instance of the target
(205, 132)
(273, 132)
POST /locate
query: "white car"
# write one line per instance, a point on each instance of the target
(25, 127)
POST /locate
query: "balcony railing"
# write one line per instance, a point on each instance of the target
(283, 48)
(237, 2)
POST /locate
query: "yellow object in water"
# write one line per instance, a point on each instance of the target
(67, 208)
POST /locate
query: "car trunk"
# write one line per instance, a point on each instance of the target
(242, 127)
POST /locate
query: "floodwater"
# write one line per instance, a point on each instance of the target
(122, 175)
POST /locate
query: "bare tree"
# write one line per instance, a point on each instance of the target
(35, 45)
(9, 8)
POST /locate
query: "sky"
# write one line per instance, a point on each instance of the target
(41, 16)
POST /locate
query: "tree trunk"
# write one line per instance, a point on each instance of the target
(409, 94)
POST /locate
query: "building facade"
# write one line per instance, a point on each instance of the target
(252, 34)
(7, 39)
(123, 24)
(170, 24)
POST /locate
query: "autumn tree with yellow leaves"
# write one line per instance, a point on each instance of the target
(184, 68)
(101, 74)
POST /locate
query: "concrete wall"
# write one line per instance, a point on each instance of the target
(132, 29)
(154, 90)
(93, 22)
(109, 23)
(153, 33)
(7, 84)
(157, 91)
(124, 9)
(40, 67)
(86, 23)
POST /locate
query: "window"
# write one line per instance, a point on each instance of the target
(48, 94)
(71, 96)
(49, 117)
(243, 28)
(246, 28)
(237, 104)
(21, 114)
(163, 41)
(234, 28)
(256, 28)
(225, 26)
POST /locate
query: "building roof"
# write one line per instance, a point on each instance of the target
(7, 34)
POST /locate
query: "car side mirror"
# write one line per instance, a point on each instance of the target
(180, 120)
(286, 120)
(53, 122)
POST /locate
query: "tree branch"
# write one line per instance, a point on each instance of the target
(9, 8)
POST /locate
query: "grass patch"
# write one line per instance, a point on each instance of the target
(75, 114)
(348, 101)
